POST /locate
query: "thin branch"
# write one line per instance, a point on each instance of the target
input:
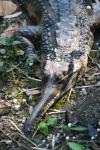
(87, 86)
(59, 112)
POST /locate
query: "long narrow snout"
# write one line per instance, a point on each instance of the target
(49, 93)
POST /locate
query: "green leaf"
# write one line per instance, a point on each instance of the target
(30, 61)
(20, 52)
(16, 42)
(78, 128)
(1, 64)
(75, 146)
(64, 127)
(3, 41)
(51, 121)
(43, 127)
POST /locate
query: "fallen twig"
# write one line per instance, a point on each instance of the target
(95, 74)
(95, 50)
(54, 113)
(94, 62)
(69, 95)
(87, 86)
(35, 132)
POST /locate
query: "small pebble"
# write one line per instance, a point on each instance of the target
(24, 100)
(23, 119)
(67, 137)
(84, 91)
(69, 125)
(49, 137)
(58, 134)
(89, 7)
(99, 123)
(17, 107)
(98, 129)
(93, 137)
(47, 145)
(73, 137)
(43, 141)
(30, 64)
(15, 100)
(97, 44)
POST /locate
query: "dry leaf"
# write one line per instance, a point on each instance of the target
(5, 108)
(7, 7)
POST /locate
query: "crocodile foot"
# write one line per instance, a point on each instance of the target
(30, 31)
(30, 51)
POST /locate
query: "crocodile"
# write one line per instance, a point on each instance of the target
(65, 43)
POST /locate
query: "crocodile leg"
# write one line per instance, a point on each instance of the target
(30, 31)
(29, 49)
(23, 34)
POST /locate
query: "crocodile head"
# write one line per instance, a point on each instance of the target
(59, 77)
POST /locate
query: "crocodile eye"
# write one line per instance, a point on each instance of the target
(64, 73)
(58, 78)
(45, 78)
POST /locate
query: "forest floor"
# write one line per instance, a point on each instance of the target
(19, 92)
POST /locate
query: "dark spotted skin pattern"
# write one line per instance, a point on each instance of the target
(66, 41)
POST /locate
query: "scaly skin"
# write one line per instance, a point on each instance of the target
(66, 41)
